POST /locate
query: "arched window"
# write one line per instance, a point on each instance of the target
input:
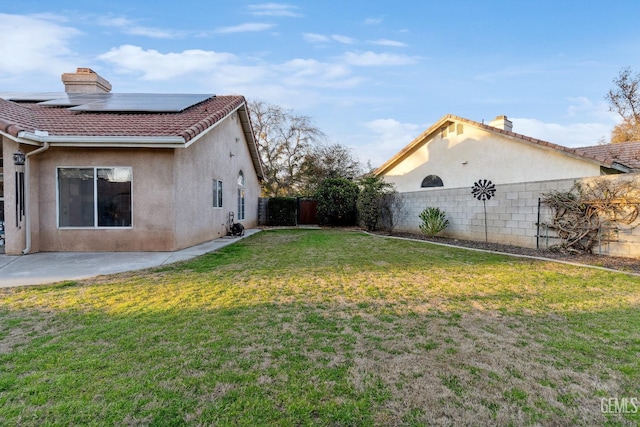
(240, 196)
(431, 181)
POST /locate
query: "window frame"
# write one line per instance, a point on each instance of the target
(241, 197)
(95, 225)
(218, 197)
(434, 180)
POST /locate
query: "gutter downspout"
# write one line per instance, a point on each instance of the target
(27, 196)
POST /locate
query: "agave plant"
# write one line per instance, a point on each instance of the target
(433, 221)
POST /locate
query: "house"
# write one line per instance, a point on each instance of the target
(91, 170)
(456, 152)
(455, 155)
(626, 153)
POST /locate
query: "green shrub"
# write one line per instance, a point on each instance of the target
(337, 201)
(371, 200)
(433, 221)
(282, 211)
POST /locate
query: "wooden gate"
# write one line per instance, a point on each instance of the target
(307, 212)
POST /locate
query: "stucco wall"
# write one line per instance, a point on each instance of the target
(462, 159)
(14, 236)
(512, 215)
(196, 167)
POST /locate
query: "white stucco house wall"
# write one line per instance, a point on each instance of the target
(456, 152)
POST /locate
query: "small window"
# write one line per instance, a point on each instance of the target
(217, 193)
(432, 181)
(240, 196)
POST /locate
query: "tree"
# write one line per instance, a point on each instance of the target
(371, 200)
(624, 99)
(392, 210)
(625, 132)
(337, 199)
(285, 140)
(328, 161)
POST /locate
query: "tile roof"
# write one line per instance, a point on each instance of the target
(60, 121)
(601, 158)
(626, 153)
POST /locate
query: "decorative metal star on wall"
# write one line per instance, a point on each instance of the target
(483, 189)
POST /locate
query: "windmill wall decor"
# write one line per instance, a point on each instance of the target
(484, 190)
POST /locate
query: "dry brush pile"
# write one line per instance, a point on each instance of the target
(592, 212)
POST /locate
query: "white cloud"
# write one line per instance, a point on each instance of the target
(114, 21)
(343, 39)
(368, 59)
(313, 73)
(274, 9)
(315, 38)
(320, 38)
(511, 72)
(584, 107)
(386, 42)
(244, 28)
(569, 135)
(388, 137)
(373, 21)
(155, 33)
(39, 43)
(165, 66)
(128, 26)
(226, 72)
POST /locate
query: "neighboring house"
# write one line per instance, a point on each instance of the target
(456, 152)
(90, 170)
(626, 153)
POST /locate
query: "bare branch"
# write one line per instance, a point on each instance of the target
(591, 212)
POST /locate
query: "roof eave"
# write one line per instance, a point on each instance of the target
(103, 141)
(247, 129)
(620, 167)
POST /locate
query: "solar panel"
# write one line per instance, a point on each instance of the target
(129, 102)
(31, 97)
(74, 100)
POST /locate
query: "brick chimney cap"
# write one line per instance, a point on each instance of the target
(85, 80)
(85, 70)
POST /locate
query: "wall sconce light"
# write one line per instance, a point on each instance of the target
(19, 158)
(465, 162)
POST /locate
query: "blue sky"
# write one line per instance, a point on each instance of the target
(372, 74)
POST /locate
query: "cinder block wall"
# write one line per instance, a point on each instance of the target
(512, 215)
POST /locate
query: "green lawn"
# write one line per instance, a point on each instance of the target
(329, 328)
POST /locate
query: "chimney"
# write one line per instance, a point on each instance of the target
(501, 122)
(85, 80)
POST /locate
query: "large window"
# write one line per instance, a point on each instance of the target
(217, 193)
(240, 196)
(94, 197)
